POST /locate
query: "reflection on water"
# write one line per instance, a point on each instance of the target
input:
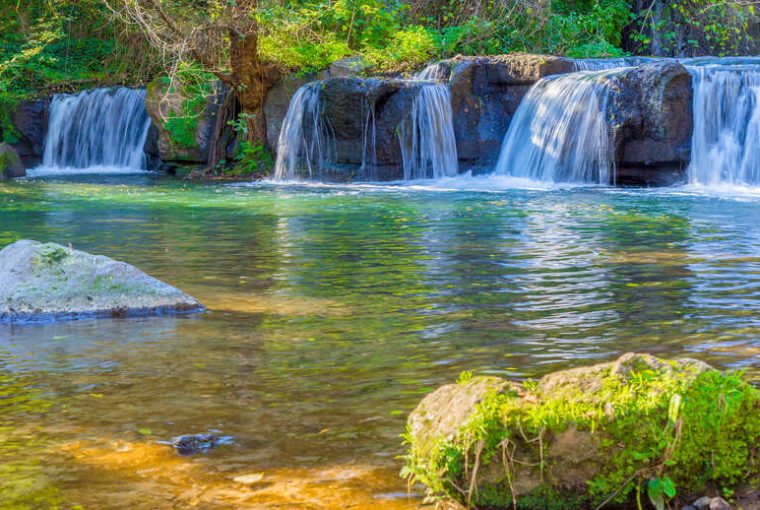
(332, 311)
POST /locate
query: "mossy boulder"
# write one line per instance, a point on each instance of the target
(10, 163)
(185, 117)
(43, 282)
(588, 436)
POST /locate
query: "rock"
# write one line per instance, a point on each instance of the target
(719, 504)
(654, 123)
(688, 507)
(191, 444)
(485, 93)
(349, 67)
(42, 282)
(442, 412)
(702, 503)
(29, 119)
(10, 163)
(185, 141)
(277, 102)
(576, 436)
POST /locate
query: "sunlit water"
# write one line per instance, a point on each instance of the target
(332, 311)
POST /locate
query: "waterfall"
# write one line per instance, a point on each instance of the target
(559, 132)
(97, 128)
(428, 145)
(726, 133)
(306, 141)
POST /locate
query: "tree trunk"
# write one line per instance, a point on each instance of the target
(249, 75)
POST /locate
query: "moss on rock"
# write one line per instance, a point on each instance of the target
(590, 436)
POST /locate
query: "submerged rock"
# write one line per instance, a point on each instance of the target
(10, 163)
(585, 436)
(41, 282)
(191, 444)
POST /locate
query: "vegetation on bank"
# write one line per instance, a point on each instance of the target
(49, 46)
(657, 431)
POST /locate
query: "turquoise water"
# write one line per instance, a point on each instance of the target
(332, 311)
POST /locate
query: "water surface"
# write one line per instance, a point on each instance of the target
(332, 311)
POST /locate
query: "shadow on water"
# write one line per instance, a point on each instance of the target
(332, 310)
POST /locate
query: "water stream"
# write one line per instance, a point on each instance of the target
(726, 133)
(559, 132)
(102, 129)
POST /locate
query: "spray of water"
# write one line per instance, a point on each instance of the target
(307, 142)
(104, 128)
(726, 132)
(559, 133)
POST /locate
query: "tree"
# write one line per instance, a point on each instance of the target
(222, 36)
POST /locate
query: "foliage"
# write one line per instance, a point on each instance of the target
(187, 94)
(660, 433)
(252, 158)
(694, 27)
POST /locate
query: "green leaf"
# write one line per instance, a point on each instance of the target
(144, 431)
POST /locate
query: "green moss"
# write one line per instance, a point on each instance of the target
(697, 429)
(194, 89)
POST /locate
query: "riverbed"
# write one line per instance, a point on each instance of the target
(331, 311)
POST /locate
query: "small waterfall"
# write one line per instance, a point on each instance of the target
(306, 141)
(726, 133)
(428, 145)
(559, 132)
(97, 128)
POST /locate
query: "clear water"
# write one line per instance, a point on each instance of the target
(333, 310)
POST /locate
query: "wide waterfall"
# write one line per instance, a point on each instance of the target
(559, 132)
(306, 143)
(307, 147)
(97, 128)
(726, 132)
(428, 145)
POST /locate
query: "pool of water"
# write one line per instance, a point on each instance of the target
(332, 311)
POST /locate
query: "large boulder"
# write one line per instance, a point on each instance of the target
(653, 121)
(10, 163)
(589, 436)
(42, 282)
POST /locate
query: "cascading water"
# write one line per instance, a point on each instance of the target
(559, 132)
(306, 141)
(97, 128)
(428, 145)
(726, 132)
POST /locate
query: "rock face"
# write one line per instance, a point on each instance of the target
(43, 282)
(653, 124)
(585, 436)
(30, 120)
(10, 163)
(185, 127)
(485, 93)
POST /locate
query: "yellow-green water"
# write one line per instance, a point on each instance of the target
(332, 311)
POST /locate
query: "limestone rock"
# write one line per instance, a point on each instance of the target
(42, 282)
(164, 106)
(349, 67)
(441, 413)
(10, 163)
(575, 436)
